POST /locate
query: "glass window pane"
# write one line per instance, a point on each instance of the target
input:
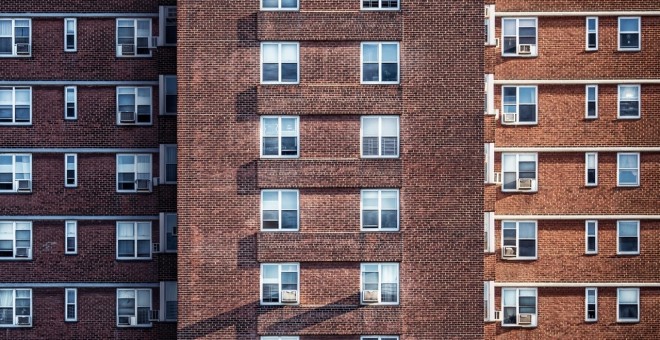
(628, 296)
(270, 200)
(289, 53)
(390, 126)
(509, 297)
(370, 53)
(270, 53)
(628, 25)
(289, 72)
(627, 229)
(289, 200)
(370, 126)
(370, 199)
(270, 271)
(527, 95)
(390, 53)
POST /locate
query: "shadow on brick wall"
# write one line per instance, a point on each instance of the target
(246, 104)
(246, 179)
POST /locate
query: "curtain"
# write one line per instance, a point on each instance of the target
(6, 298)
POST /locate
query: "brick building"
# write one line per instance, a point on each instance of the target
(88, 169)
(572, 150)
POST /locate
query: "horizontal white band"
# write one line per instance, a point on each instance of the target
(579, 14)
(577, 217)
(79, 15)
(578, 284)
(574, 81)
(578, 149)
(77, 218)
(77, 150)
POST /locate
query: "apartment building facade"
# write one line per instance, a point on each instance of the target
(330, 183)
(572, 160)
(88, 170)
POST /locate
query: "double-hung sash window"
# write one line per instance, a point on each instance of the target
(280, 283)
(627, 300)
(280, 136)
(591, 304)
(519, 240)
(71, 234)
(15, 307)
(380, 283)
(380, 210)
(280, 62)
(519, 37)
(168, 162)
(592, 34)
(169, 231)
(519, 172)
(15, 240)
(71, 170)
(169, 301)
(627, 241)
(15, 173)
(167, 25)
(629, 101)
(71, 304)
(380, 4)
(380, 62)
(591, 237)
(70, 35)
(15, 37)
(279, 5)
(630, 34)
(519, 104)
(519, 307)
(134, 173)
(168, 95)
(15, 105)
(591, 111)
(628, 169)
(279, 210)
(591, 168)
(133, 37)
(134, 105)
(133, 240)
(133, 307)
(70, 102)
(380, 137)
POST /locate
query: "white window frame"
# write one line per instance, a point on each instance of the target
(13, 164)
(534, 51)
(163, 301)
(136, 292)
(638, 32)
(489, 301)
(162, 94)
(586, 169)
(279, 6)
(489, 160)
(280, 135)
(489, 232)
(74, 303)
(135, 238)
(14, 297)
(164, 162)
(518, 239)
(587, 101)
(279, 209)
(14, 53)
(618, 238)
(379, 337)
(280, 338)
(380, 210)
(19, 225)
(380, 6)
(639, 102)
(163, 15)
(66, 170)
(75, 34)
(535, 187)
(619, 169)
(380, 136)
(587, 236)
(517, 306)
(380, 282)
(618, 303)
(380, 62)
(489, 25)
(517, 113)
(164, 229)
(489, 88)
(278, 281)
(135, 171)
(14, 104)
(70, 231)
(279, 62)
(586, 304)
(135, 90)
(118, 53)
(74, 91)
(588, 31)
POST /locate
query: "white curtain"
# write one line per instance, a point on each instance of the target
(5, 27)
(6, 298)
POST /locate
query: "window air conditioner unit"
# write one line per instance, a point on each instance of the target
(289, 296)
(524, 319)
(127, 49)
(126, 320)
(142, 184)
(497, 316)
(154, 315)
(23, 320)
(370, 296)
(22, 49)
(153, 43)
(24, 185)
(526, 49)
(127, 117)
(156, 247)
(509, 117)
(497, 178)
(509, 252)
(525, 184)
(22, 252)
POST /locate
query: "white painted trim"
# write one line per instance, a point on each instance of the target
(586, 101)
(78, 15)
(74, 303)
(586, 237)
(578, 14)
(262, 131)
(380, 210)
(380, 281)
(279, 209)
(578, 284)
(77, 150)
(586, 169)
(279, 63)
(380, 136)
(574, 81)
(491, 25)
(75, 170)
(577, 217)
(586, 304)
(586, 42)
(66, 237)
(78, 82)
(75, 35)
(77, 285)
(490, 94)
(79, 218)
(380, 63)
(578, 149)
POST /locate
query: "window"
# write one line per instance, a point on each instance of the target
(519, 240)
(15, 105)
(167, 26)
(168, 301)
(380, 63)
(71, 244)
(70, 39)
(380, 137)
(15, 173)
(627, 300)
(627, 169)
(489, 89)
(133, 37)
(70, 170)
(279, 137)
(519, 37)
(629, 101)
(379, 337)
(70, 305)
(15, 240)
(168, 160)
(168, 95)
(489, 25)
(627, 241)
(70, 102)
(519, 307)
(15, 37)
(282, 5)
(133, 306)
(280, 338)
(591, 237)
(134, 105)
(168, 231)
(279, 283)
(591, 304)
(519, 105)
(591, 169)
(134, 173)
(15, 307)
(380, 283)
(489, 162)
(592, 34)
(133, 240)
(279, 63)
(380, 210)
(592, 102)
(279, 210)
(519, 172)
(489, 232)
(380, 4)
(630, 34)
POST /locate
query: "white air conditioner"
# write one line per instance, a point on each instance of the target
(126, 320)
(525, 184)
(143, 184)
(509, 251)
(24, 185)
(127, 49)
(509, 117)
(525, 319)
(23, 49)
(370, 296)
(526, 49)
(156, 247)
(289, 296)
(497, 316)
(154, 315)
(22, 252)
(127, 117)
(497, 178)
(153, 43)
(23, 320)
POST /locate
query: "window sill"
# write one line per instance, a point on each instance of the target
(279, 10)
(280, 83)
(628, 49)
(136, 124)
(379, 157)
(16, 124)
(133, 56)
(520, 191)
(15, 259)
(376, 230)
(16, 56)
(279, 157)
(15, 326)
(627, 186)
(627, 254)
(380, 83)
(518, 258)
(380, 9)
(134, 259)
(280, 304)
(519, 124)
(519, 56)
(135, 326)
(628, 118)
(379, 304)
(627, 321)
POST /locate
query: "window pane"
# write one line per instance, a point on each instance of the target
(627, 229)
(628, 92)
(270, 53)
(389, 219)
(269, 3)
(527, 248)
(270, 271)
(370, 219)
(270, 72)
(390, 72)
(628, 296)
(628, 312)
(370, 126)
(289, 53)
(270, 200)
(628, 244)
(628, 161)
(126, 248)
(289, 200)
(526, 230)
(290, 72)
(390, 53)
(628, 25)
(509, 26)
(527, 95)
(370, 53)
(289, 3)
(289, 219)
